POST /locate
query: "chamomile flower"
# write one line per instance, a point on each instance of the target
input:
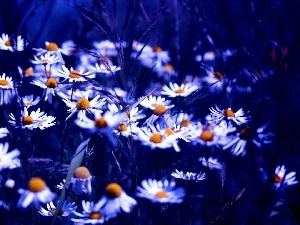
(131, 115)
(37, 193)
(280, 177)
(116, 200)
(49, 85)
(46, 59)
(213, 77)
(211, 163)
(11, 43)
(74, 75)
(184, 119)
(82, 180)
(61, 185)
(67, 209)
(127, 129)
(175, 90)
(152, 101)
(3, 132)
(53, 48)
(28, 101)
(161, 191)
(107, 68)
(92, 214)
(228, 114)
(7, 89)
(84, 105)
(8, 160)
(188, 175)
(106, 48)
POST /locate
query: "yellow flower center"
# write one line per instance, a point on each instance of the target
(218, 76)
(83, 104)
(36, 184)
(207, 136)
(185, 123)
(95, 215)
(113, 190)
(161, 194)
(74, 74)
(101, 123)
(277, 179)
(169, 131)
(4, 82)
(9, 43)
(246, 134)
(159, 110)
(51, 83)
(52, 47)
(27, 120)
(122, 127)
(156, 138)
(82, 173)
(29, 71)
(179, 91)
(44, 61)
(228, 112)
(153, 104)
(169, 67)
(157, 49)
(61, 212)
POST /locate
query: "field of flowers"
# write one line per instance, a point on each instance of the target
(149, 112)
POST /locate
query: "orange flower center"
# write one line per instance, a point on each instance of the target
(157, 49)
(27, 120)
(169, 67)
(61, 212)
(246, 134)
(207, 136)
(9, 43)
(83, 104)
(161, 194)
(29, 71)
(228, 112)
(277, 179)
(122, 127)
(74, 74)
(82, 173)
(179, 91)
(156, 138)
(218, 76)
(51, 83)
(113, 190)
(52, 47)
(4, 82)
(95, 215)
(185, 123)
(159, 110)
(169, 131)
(101, 123)
(44, 61)
(36, 184)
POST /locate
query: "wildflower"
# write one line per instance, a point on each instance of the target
(207, 56)
(36, 119)
(107, 69)
(151, 102)
(29, 101)
(82, 180)
(67, 209)
(3, 132)
(11, 44)
(83, 105)
(188, 175)
(228, 114)
(46, 59)
(49, 85)
(52, 47)
(116, 200)
(61, 185)
(131, 115)
(74, 75)
(7, 89)
(160, 191)
(8, 160)
(175, 90)
(37, 192)
(127, 129)
(183, 119)
(106, 48)
(92, 214)
(161, 111)
(280, 177)
(211, 163)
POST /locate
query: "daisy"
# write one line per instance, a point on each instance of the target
(92, 214)
(37, 192)
(11, 44)
(46, 59)
(74, 75)
(229, 115)
(188, 175)
(165, 71)
(127, 129)
(131, 115)
(82, 180)
(28, 101)
(8, 160)
(67, 209)
(152, 101)
(115, 200)
(161, 191)
(280, 177)
(213, 77)
(83, 105)
(211, 163)
(184, 119)
(49, 85)
(107, 69)
(175, 90)
(3, 132)
(7, 89)
(106, 48)
(52, 47)
(61, 185)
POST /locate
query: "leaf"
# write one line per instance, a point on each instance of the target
(75, 163)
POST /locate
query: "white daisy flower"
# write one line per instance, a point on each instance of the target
(11, 44)
(83, 105)
(161, 191)
(67, 209)
(52, 47)
(213, 77)
(184, 119)
(165, 71)
(7, 89)
(175, 90)
(107, 69)
(280, 177)
(106, 48)
(82, 180)
(3, 132)
(37, 192)
(8, 160)
(49, 85)
(211, 163)
(152, 101)
(127, 129)
(131, 115)
(29, 101)
(74, 75)
(228, 114)
(61, 185)
(46, 59)
(188, 175)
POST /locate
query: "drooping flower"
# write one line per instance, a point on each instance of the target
(67, 209)
(81, 180)
(188, 175)
(281, 178)
(49, 85)
(211, 163)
